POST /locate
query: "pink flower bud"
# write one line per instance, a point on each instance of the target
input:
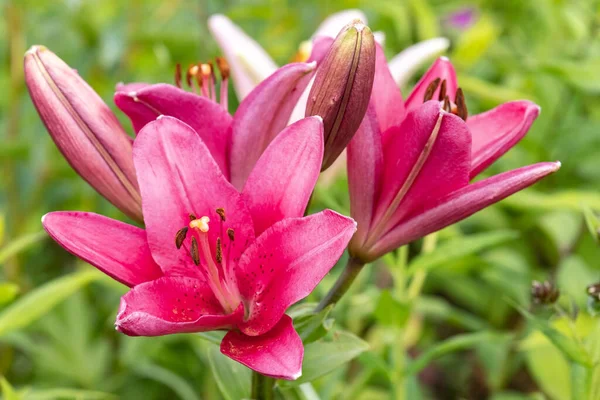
(84, 129)
(342, 88)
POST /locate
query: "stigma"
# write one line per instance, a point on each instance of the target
(200, 224)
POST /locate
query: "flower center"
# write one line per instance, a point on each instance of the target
(202, 79)
(456, 107)
(216, 267)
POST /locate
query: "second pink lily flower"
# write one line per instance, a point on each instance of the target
(410, 163)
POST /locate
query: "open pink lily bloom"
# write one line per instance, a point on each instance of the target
(410, 163)
(235, 142)
(212, 258)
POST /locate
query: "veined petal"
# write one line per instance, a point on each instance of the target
(173, 304)
(404, 65)
(333, 24)
(210, 121)
(285, 264)
(461, 204)
(249, 62)
(114, 247)
(426, 158)
(442, 68)
(386, 96)
(496, 131)
(278, 353)
(283, 179)
(179, 177)
(365, 166)
(263, 114)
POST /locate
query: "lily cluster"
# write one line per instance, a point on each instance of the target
(226, 244)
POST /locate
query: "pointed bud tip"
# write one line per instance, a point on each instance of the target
(558, 164)
(36, 48)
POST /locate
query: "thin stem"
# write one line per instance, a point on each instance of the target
(262, 387)
(341, 286)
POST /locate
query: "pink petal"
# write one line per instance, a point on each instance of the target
(386, 96)
(115, 248)
(178, 177)
(365, 166)
(131, 87)
(286, 262)
(320, 47)
(445, 169)
(496, 131)
(263, 114)
(461, 204)
(173, 305)
(442, 68)
(277, 353)
(283, 179)
(249, 62)
(210, 121)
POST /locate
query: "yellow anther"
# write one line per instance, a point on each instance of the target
(200, 223)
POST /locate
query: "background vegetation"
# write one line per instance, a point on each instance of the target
(444, 319)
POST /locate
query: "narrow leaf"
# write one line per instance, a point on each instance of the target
(233, 379)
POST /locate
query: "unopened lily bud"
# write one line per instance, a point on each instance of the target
(342, 87)
(84, 129)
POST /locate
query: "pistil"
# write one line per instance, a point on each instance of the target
(215, 269)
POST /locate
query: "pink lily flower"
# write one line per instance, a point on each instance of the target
(235, 142)
(410, 164)
(212, 258)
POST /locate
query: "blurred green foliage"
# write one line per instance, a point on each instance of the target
(456, 308)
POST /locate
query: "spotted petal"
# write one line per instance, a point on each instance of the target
(173, 305)
(277, 353)
(285, 264)
(178, 177)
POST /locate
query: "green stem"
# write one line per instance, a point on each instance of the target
(262, 387)
(341, 286)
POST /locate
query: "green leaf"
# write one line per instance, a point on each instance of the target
(455, 249)
(159, 374)
(323, 356)
(592, 223)
(39, 301)
(8, 393)
(233, 379)
(313, 326)
(391, 312)
(8, 291)
(566, 200)
(214, 337)
(69, 394)
(569, 347)
(455, 343)
(20, 244)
